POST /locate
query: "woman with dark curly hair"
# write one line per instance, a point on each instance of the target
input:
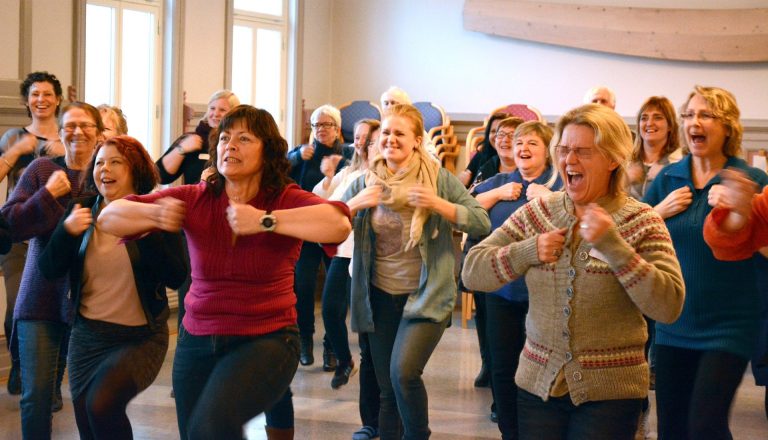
(119, 335)
(238, 345)
(42, 95)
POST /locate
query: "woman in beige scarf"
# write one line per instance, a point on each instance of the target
(403, 283)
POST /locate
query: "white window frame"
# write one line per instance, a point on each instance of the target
(155, 7)
(288, 26)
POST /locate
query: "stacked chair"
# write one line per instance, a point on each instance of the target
(354, 111)
(440, 132)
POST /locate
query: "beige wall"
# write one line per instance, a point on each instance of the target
(422, 47)
(204, 49)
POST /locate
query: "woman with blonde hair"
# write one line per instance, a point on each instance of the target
(403, 289)
(506, 308)
(594, 261)
(701, 357)
(114, 121)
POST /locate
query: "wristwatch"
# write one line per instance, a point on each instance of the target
(268, 222)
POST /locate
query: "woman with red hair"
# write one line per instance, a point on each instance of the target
(119, 337)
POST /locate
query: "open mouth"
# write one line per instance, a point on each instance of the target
(232, 160)
(106, 181)
(573, 177)
(698, 139)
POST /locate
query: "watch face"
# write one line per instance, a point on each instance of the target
(267, 222)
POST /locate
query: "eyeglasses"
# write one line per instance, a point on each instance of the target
(582, 153)
(69, 127)
(703, 116)
(319, 125)
(505, 134)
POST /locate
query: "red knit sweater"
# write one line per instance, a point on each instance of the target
(245, 289)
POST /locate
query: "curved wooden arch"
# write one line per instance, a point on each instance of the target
(703, 35)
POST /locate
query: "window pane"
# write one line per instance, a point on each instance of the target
(137, 71)
(99, 54)
(270, 7)
(242, 63)
(268, 72)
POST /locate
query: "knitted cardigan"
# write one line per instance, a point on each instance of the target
(586, 310)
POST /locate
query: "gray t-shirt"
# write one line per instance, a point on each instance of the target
(395, 270)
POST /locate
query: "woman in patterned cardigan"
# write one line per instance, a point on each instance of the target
(595, 261)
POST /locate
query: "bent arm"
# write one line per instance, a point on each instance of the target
(742, 243)
(650, 273)
(125, 218)
(464, 211)
(322, 223)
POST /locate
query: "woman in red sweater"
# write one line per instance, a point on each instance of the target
(238, 344)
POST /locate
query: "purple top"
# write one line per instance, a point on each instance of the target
(33, 214)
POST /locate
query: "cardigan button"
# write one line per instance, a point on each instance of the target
(568, 356)
(569, 292)
(567, 311)
(577, 375)
(583, 256)
(566, 335)
(571, 273)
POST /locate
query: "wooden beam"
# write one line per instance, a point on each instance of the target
(703, 35)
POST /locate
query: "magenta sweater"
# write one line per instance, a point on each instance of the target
(242, 290)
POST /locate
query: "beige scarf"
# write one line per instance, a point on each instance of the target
(421, 170)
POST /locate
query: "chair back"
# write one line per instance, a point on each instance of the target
(434, 115)
(354, 111)
(526, 112)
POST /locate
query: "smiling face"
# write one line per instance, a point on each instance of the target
(397, 141)
(112, 174)
(216, 110)
(493, 131)
(79, 133)
(654, 127)
(42, 100)
(530, 155)
(505, 144)
(705, 134)
(239, 153)
(586, 178)
(361, 137)
(326, 130)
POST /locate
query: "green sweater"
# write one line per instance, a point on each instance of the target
(585, 314)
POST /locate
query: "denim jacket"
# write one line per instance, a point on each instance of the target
(436, 295)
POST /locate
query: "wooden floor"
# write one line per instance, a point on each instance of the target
(458, 411)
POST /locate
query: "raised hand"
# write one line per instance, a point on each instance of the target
(595, 222)
(422, 196)
(169, 214)
(676, 202)
(58, 184)
(307, 151)
(244, 219)
(549, 245)
(536, 190)
(735, 193)
(509, 191)
(329, 163)
(191, 143)
(78, 221)
(367, 198)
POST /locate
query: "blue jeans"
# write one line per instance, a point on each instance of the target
(221, 382)
(335, 305)
(505, 330)
(304, 282)
(558, 418)
(400, 349)
(42, 352)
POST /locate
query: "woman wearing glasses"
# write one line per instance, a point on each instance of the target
(595, 261)
(701, 357)
(486, 152)
(42, 312)
(306, 161)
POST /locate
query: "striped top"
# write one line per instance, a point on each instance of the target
(585, 317)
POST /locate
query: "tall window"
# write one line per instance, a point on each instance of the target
(122, 59)
(259, 55)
